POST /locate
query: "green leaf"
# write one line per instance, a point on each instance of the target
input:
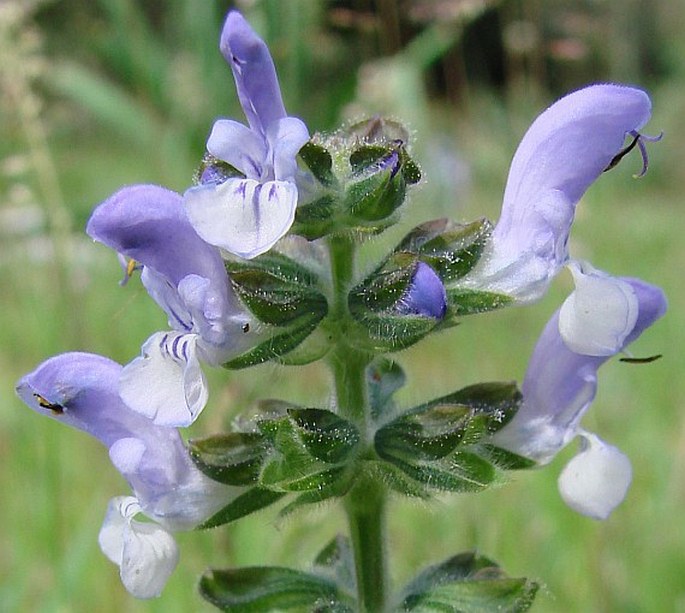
(259, 589)
(430, 434)
(452, 250)
(462, 302)
(467, 583)
(318, 160)
(458, 472)
(277, 345)
(383, 378)
(387, 332)
(252, 500)
(491, 406)
(234, 458)
(327, 436)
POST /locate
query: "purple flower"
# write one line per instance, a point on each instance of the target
(426, 295)
(82, 390)
(246, 216)
(187, 278)
(562, 154)
(561, 383)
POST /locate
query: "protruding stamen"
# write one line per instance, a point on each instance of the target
(638, 139)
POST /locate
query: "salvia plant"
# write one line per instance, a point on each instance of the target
(255, 262)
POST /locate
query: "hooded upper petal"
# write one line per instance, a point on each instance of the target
(564, 151)
(148, 224)
(560, 384)
(254, 72)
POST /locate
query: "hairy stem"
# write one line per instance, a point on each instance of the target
(365, 504)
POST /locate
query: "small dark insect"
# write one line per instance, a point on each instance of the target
(647, 360)
(246, 328)
(46, 404)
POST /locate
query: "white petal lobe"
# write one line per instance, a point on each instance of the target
(242, 216)
(596, 480)
(598, 316)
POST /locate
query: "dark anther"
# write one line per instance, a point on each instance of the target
(46, 404)
(623, 152)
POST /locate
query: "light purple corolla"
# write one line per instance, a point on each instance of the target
(425, 296)
(246, 216)
(561, 383)
(148, 225)
(564, 151)
(82, 390)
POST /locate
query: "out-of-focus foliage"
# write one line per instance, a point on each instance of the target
(95, 94)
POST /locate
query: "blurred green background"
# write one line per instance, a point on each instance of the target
(95, 94)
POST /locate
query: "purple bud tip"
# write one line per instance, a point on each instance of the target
(425, 295)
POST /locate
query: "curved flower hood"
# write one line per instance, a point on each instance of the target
(187, 278)
(563, 152)
(81, 391)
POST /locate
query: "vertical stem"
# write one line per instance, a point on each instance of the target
(365, 503)
(365, 507)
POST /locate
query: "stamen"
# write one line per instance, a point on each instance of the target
(637, 141)
(46, 404)
(131, 266)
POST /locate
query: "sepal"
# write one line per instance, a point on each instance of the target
(354, 180)
(317, 159)
(263, 588)
(281, 342)
(251, 500)
(451, 249)
(467, 582)
(276, 289)
(439, 445)
(234, 458)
